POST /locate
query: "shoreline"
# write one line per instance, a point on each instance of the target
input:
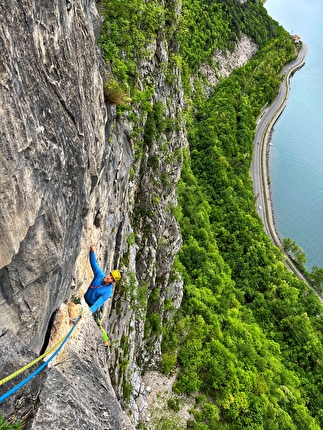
(260, 165)
(269, 140)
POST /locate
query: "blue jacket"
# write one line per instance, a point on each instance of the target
(97, 296)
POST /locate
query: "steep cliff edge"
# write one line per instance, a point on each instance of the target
(65, 158)
(58, 168)
(70, 174)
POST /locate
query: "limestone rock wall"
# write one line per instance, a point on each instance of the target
(226, 62)
(59, 169)
(65, 162)
(52, 152)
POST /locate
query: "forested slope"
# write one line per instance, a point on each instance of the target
(253, 345)
(247, 338)
(239, 331)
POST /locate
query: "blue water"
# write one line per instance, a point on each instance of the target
(296, 154)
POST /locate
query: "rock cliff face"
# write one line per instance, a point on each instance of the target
(52, 150)
(65, 164)
(226, 62)
(69, 174)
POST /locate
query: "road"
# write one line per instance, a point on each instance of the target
(259, 168)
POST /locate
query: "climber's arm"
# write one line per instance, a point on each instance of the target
(95, 267)
(101, 300)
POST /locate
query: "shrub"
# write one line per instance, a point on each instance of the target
(168, 362)
(113, 93)
(6, 426)
(174, 404)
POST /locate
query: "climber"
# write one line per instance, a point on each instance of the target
(101, 286)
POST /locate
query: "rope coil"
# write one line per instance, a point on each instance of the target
(18, 372)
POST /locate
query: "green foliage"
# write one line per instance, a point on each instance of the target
(247, 338)
(316, 277)
(168, 361)
(174, 404)
(4, 425)
(127, 390)
(128, 28)
(208, 26)
(155, 123)
(295, 251)
(113, 93)
(153, 323)
(131, 239)
(135, 294)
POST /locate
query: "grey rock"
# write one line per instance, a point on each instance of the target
(225, 61)
(56, 171)
(65, 161)
(15, 355)
(50, 149)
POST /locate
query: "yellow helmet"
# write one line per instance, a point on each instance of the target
(116, 275)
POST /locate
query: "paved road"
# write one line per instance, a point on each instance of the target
(259, 172)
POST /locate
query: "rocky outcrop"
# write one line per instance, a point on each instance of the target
(75, 392)
(58, 170)
(65, 165)
(226, 62)
(52, 151)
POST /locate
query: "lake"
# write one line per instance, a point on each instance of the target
(296, 154)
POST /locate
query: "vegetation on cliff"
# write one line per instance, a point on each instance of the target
(6, 426)
(252, 342)
(247, 339)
